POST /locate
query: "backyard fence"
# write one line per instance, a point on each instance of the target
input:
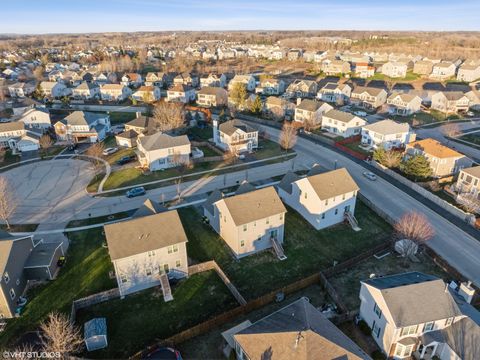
(341, 145)
(92, 300)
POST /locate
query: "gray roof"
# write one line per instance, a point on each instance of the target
(86, 86)
(42, 254)
(83, 118)
(387, 127)
(474, 171)
(149, 207)
(370, 90)
(162, 141)
(144, 234)
(286, 182)
(297, 331)
(211, 199)
(244, 187)
(229, 127)
(6, 244)
(310, 105)
(332, 183)
(129, 134)
(453, 95)
(415, 298)
(141, 122)
(338, 115)
(95, 327)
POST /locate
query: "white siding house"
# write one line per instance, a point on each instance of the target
(387, 133)
(342, 123)
(161, 151)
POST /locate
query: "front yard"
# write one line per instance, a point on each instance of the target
(422, 118)
(307, 250)
(136, 321)
(85, 273)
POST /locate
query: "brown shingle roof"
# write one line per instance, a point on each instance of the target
(434, 148)
(333, 183)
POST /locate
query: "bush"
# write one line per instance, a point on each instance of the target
(378, 355)
(364, 328)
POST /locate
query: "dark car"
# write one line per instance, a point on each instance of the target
(125, 160)
(137, 191)
(165, 353)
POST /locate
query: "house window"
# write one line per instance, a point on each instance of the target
(403, 350)
(336, 211)
(242, 243)
(410, 330)
(123, 279)
(6, 277)
(166, 269)
(449, 321)
(377, 311)
(281, 217)
(148, 271)
(244, 227)
(376, 329)
(151, 253)
(429, 326)
(305, 196)
(12, 294)
(267, 221)
(178, 263)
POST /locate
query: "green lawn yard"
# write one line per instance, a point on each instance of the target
(85, 273)
(138, 320)
(472, 138)
(121, 117)
(347, 283)
(307, 250)
(7, 158)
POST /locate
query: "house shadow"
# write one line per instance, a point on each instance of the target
(380, 84)
(403, 87)
(433, 85)
(458, 86)
(328, 79)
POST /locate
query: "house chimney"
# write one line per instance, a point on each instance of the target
(466, 291)
(299, 100)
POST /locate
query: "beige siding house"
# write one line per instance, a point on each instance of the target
(235, 135)
(468, 72)
(323, 199)
(468, 181)
(450, 101)
(247, 80)
(394, 69)
(181, 93)
(368, 97)
(302, 88)
(310, 112)
(115, 92)
(335, 93)
(423, 67)
(161, 151)
(443, 71)
(404, 104)
(212, 96)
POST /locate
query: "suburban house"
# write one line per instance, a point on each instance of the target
(336, 67)
(141, 125)
(247, 80)
(309, 112)
(128, 138)
(443, 160)
(388, 134)
(83, 126)
(474, 99)
(181, 93)
(13, 135)
(272, 86)
(145, 248)
(323, 199)
(213, 80)
(368, 97)
(161, 151)
(363, 70)
(115, 92)
(212, 96)
(20, 89)
(53, 89)
(450, 101)
(250, 221)
(235, 135)
(423, 67)
(404, 104)
(147, 94)
(278, 107)
(131, 79)
(86, 90)
(155, 79)
(22, 260)
(302, 89)
(342, 123)
(187, 79)
(36, 118)
(443, 71)
(468, 181)
(335, 93)
(297, 331)
(394, 69)
(468, 72)
(442, 325)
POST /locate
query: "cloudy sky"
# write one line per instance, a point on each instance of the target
(48, 16)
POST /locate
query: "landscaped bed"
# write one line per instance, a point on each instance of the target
(308, 250)
(138, 320)
(85, 273)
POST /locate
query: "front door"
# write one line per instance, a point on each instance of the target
(273, 233)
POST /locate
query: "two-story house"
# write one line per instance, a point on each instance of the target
(181, 93)
(271, 86)
(132, 79)
(147, 94)
(336, 67)
(21, 89)
(302, 88)
(187, 79)
(323, 199)
(450, 101)
(145, 248)
(468, 181)
(368, 97)
(13, 135)
(278, 108)
(363, 70)
(443, 160)
(423, 67)
(86, 90)
(213, 80)
(309, 112)
(160, 151)
(250, 221)
(36, 118)
(335, 93)
(394, 69)
(212, 96)
(342, 123)
(443, 70)
(83, 126)
(155, 79)
(53, 89)
(468, 72)
(387, 134)
(247, 80)
(235, 136)
(115, 92)
(404, 104)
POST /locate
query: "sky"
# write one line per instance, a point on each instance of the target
(81, 16)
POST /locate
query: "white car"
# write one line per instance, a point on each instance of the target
(360, 113)
(470, 113)
(110, 151)
(370, 176)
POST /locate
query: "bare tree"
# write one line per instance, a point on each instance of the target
(8, 201)
(168, 116)
(182, 163)
(46, 143)
(58, 335)
(392, 158)
(288, 136)
(412, 230)
(450, 130)
(470, 202)
(96, 151)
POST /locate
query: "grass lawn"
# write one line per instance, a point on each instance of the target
(99, 219)
(7, 158)
(19, 227)
(356, 147)
(209, 345)
(472, 138)
(139, 319)
(208, 151)
(121, 117)
(347, 284)
(198, 134)
(422, 118)
(409, 77)
(268, 148)
(85, 273)
(307, 250)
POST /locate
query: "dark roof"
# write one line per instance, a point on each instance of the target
(162, 141)
(129, 134)
(95, 327)
(286, 182)
(149, 207)
(297, 331)
(83, 118)
(229, 127)
(42, 254)
(244, 188)
(211, 199)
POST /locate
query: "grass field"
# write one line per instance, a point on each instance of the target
(136, 321)
(121, 117)
(85, 273)
(307, 250)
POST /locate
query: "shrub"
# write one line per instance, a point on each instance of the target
(364, 328)
(378, 355)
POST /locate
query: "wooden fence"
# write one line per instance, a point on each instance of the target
(92, 300)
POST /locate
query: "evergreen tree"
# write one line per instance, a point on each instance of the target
(238, 94)
(416, 166)
(257, 105)
(379, 155)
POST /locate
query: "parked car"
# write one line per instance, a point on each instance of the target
(110, 151)
(137, 191)
(370, 176)
(126, 159)
(360, 113)
(470, 113)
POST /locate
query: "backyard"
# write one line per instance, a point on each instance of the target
(138, 320)
(307, 250)
(421, 118)
(85, 273)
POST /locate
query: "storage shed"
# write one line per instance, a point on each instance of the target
(95, 334)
